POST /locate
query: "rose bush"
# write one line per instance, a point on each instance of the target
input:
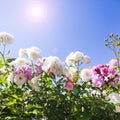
(33, 87)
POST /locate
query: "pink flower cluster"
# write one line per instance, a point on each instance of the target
(104, 75)
(25, 70)
(38, 68)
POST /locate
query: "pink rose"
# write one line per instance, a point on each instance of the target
(69, 86)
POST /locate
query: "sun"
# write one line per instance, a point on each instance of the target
(36, 12)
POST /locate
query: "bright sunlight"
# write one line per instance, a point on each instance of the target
(36, 12)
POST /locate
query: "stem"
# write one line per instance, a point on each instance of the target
(4, 49)
(32, 65)
(115, 52)
(3, 57)
(3, 60)
(114, 48)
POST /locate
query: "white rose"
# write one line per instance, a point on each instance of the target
(19, 79)
(54, 65)
(33, 53)
(34, 83)
(35, 80)
(74, 57)
(6, 38)
(21, 61)
(86, 59)
(86, 74)
(114, 98)
(78, 56)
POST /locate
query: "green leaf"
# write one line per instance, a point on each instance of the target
(35, 111)
(9, 60)
(11, 102)
(17, 97)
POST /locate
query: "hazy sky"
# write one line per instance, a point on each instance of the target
(64, 26)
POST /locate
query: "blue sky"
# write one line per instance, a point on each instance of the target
(70, 25)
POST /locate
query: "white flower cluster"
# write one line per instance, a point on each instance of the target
(33, 53)
(20, 61)
(54, 65)
(6, 38)
(75, 57)
(23, 72)
(51, 64)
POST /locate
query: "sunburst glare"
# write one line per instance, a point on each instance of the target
(36, 12)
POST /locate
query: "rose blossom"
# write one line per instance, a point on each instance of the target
(86, 74)
(114, 98)
(104, 75)
(34, 83)
(113, 62)
(6, 38)
(69, 86)
(54, 65)
(104, 71)
(74, 57)
(86, 59)
(26, 70)
(78, 56)
(97, 81)
(33, 53)
(19, 79)
(20, 61)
